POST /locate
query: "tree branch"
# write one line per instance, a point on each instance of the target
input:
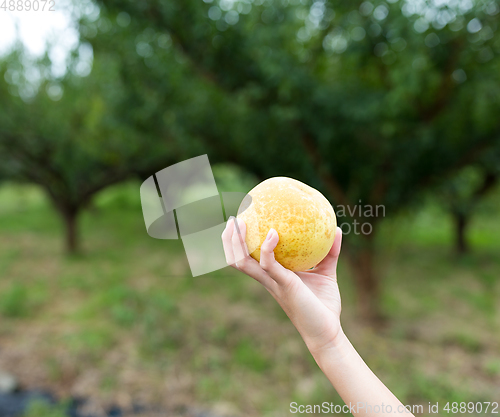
(489, 182)
(443, 96)
(331, 184)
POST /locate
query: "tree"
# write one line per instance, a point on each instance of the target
(64, 136)
(367, 102)
(463, 193)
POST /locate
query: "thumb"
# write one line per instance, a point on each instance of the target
(328, 266)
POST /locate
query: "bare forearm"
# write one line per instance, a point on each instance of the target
(312, 301)
(355, 382)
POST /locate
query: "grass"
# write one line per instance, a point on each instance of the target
(124, 321)
(14, 301)
(41, 408)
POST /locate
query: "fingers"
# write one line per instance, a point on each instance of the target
(328, 266)
(227, 243)
(242, 260)
(268, 272)
(238, 240)
(269, 264)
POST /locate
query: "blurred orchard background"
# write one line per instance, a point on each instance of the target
(393, 103)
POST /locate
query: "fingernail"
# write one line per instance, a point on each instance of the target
(269, 234)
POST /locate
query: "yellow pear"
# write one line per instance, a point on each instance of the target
(302, 216)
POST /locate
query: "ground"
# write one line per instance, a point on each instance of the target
(124, 322)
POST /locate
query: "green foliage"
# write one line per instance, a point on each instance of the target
(247, 354)
(374, 102)
(57, 143)
(464, 340)
(42, 408)
(122, 300)
(119, 197)
(465, 193)
(90, 340)
(14, 301)
(75, 143)
(363, 98)
(370, 102)
(493, 367)
(435, 389)
(231, 178)
(154, 315)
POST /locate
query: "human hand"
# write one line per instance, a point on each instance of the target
(311, 299)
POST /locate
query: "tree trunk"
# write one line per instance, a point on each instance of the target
(70, 217)
(461, 223)
(69, 211)
(362, 261)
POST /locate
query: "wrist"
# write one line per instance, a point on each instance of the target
(332, 346)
